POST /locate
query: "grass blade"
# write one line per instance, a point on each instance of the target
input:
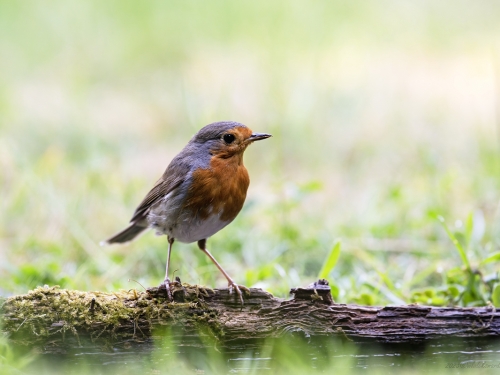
(331, 261)
(457, 244)
(492, 258)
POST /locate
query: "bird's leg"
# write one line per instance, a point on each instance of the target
(202, 245)
(166, 281)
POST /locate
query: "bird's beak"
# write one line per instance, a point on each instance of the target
(258, 137)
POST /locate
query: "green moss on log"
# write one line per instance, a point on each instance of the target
(51, 311)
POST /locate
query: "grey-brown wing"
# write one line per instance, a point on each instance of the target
(171, 179)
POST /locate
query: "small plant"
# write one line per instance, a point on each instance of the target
(329, 265)
(466, 285)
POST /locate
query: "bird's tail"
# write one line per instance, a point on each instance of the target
(126, 235)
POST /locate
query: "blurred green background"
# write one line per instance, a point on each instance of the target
(384, 115)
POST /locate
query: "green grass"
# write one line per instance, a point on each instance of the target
(384, 118)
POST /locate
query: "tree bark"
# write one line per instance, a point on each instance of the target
(49, 318)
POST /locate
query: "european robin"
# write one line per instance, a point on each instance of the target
(201, 191)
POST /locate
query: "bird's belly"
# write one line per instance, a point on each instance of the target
(195, 229)
(167, 218)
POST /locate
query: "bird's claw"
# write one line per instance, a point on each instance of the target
(238, 288)
(166, 285)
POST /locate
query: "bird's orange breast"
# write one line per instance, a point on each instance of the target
(221, 188)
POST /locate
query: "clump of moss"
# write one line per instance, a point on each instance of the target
(51, 312)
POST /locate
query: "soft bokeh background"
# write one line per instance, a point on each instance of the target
(384, 115)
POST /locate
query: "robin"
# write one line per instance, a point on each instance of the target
(201, 191)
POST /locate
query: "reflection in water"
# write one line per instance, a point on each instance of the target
(200, 354)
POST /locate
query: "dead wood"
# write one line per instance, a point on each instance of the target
(53, 317)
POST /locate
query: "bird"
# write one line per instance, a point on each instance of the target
(202, 190)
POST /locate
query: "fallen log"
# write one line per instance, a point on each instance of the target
(51, 318)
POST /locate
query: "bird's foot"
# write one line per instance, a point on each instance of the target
(238, 288)
(165, 285)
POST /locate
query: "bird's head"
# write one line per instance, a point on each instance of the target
(227, 139)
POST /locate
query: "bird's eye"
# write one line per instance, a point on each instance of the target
(228, 138)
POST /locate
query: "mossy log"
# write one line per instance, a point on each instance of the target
(50, 317)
